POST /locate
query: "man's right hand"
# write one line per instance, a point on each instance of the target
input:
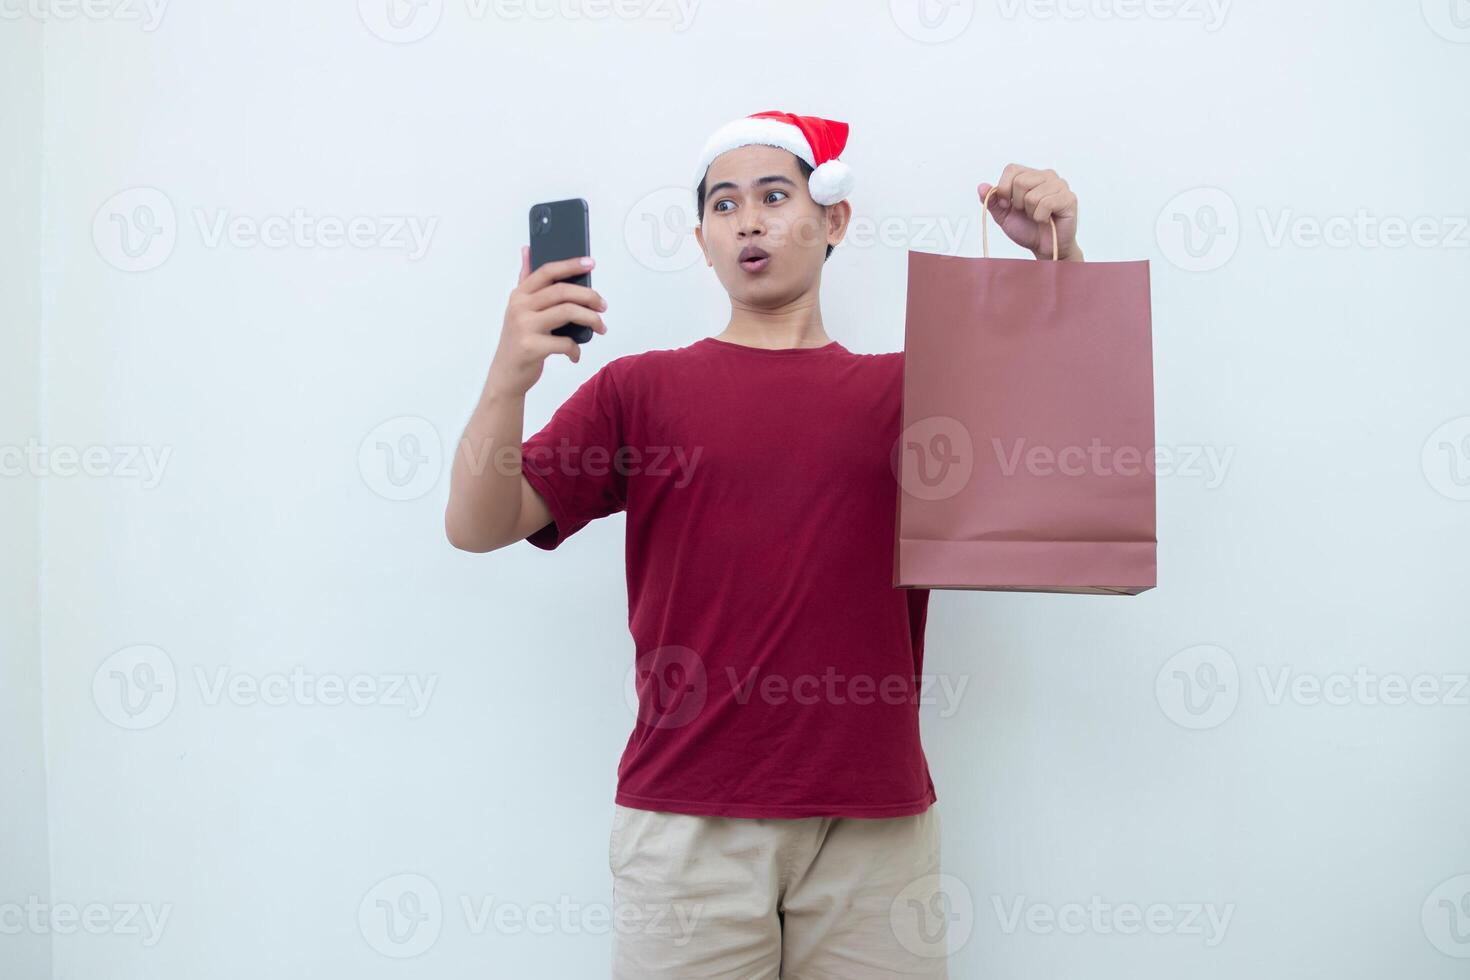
(538, 305)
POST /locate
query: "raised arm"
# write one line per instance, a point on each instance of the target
(491, 504)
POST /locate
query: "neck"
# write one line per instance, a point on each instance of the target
(797, 323)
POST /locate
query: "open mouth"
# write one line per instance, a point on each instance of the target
(754, 259)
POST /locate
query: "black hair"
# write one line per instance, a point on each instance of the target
(806, 171)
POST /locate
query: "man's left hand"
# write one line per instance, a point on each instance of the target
(1024, 199)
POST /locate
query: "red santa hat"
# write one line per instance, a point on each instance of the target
(816, 140)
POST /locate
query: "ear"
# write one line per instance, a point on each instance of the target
(839, 218)
(699, 237)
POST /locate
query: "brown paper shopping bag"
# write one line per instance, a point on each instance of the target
(1026, 459)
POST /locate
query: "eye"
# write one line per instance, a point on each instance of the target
(722, 201)
(768, 196)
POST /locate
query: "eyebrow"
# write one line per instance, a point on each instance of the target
(772, 179)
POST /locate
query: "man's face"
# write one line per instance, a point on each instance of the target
(757, 201)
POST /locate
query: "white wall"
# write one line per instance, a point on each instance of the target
(24, 865)
(25, 882)
(264, 535)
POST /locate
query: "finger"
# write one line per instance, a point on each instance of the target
(1045, 188)
(567, 292)
(1023, 185)
(1044, 244)
(1005, 187)
(525, 263)
(1058, 204)
(549, 345)
(553, 271)
(549, 319)
(997, 202)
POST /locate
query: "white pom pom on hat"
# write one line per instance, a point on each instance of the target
(816, 140)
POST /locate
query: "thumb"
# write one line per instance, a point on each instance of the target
(998, 204)
(525, 263)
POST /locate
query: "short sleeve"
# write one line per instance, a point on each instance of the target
(574, 461)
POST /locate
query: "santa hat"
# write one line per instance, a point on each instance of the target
(816, 140)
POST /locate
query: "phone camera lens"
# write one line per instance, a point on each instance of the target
(540, 220)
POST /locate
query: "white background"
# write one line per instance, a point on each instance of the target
(1083, 763)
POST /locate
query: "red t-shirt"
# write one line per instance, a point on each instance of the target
(777, 666)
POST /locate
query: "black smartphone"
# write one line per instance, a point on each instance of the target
(560, 230)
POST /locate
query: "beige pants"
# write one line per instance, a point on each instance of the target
(814, 898)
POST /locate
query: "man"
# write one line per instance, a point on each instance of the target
(774, 803)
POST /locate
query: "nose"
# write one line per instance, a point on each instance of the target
(751, 224)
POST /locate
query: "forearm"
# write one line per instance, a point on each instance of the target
(485, 481)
